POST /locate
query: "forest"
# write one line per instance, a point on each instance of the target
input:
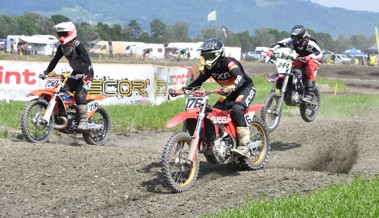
(160, 32)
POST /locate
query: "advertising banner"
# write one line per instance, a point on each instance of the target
(122, 83)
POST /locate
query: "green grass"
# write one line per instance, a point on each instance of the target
(11, 114)
(149, 118)
(344, 106)
(357, 199)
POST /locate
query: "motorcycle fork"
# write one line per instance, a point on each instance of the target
(282, 93)
(49, 109)
(196, 134)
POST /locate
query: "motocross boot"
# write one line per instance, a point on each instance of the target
(83, 115)
(243, 134)
(310, 90)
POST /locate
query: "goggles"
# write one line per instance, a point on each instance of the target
(296, 38)
(62, 34)
(209, 56)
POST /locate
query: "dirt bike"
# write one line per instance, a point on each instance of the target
(288, 87)
(54, 109)
(179, 55)
(211, 132)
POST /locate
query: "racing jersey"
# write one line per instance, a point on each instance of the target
(227, 72)
(310, 49)
(77, 57)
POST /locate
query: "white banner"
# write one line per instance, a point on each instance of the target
(168, 78)
(122, 83)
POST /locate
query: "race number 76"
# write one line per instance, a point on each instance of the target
(193, 103)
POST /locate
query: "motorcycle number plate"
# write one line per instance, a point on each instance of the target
(249, 117)
(92, 106)
(51, 83)
(194, 102)
(282, 66)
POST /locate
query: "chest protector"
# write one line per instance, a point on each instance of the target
(73, 58)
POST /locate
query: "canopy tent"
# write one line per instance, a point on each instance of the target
(354, 52)
(373, 49)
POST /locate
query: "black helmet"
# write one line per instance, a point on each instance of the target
(212, 50)
(297, 34)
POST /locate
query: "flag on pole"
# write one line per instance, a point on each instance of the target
(212, 16)
(225, 31)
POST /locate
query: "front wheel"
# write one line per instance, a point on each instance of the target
(34, 128)
(98, 136)
(269, 113)
(179, 173)
(259, 147)
(309, 111)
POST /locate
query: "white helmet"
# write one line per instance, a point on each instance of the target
(66, 32)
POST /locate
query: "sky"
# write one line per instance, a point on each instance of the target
(356, 5)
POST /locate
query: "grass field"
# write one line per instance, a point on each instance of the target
(358, 199)
(148, 117)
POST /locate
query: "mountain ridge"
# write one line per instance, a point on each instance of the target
(239, 16)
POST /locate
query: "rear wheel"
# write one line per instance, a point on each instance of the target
(180, 174)
(98, 136)
(33, 127)
(309, 111)
(259, 147)
(269, 114)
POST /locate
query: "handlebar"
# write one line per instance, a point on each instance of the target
(277, 55)
(63, 77)
(198, 92)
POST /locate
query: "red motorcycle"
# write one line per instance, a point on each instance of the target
(211, 132)
(52, 109)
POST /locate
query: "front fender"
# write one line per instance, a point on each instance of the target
(179, 118)
(40, 92)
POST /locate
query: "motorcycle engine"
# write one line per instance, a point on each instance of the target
(71, 116)
(222, 147)
(292, 98)
(220, 150)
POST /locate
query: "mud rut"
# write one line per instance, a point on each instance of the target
(67, 178)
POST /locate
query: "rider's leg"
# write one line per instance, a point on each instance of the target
(245, 97)
(80, 95)
(83, 116)
(310, 90)
(243, 132)
(310, 84)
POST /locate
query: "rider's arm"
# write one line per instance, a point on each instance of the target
(236, 73)
(283, 43)
(314, 50)
(203, 76)
(58, 55)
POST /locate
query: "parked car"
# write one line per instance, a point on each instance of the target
(342, 59)
(252, 56)
(337, 59)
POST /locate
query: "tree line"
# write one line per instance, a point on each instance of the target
(32, 24)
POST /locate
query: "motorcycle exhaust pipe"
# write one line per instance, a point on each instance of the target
(63, 125)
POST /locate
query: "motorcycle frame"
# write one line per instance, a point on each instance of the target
(56, 103)
(200, 115)
(279, 75)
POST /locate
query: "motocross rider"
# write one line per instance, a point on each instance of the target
(80, 62)
(310, 53)
(229, 73)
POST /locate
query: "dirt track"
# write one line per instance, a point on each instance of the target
(66, 178)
